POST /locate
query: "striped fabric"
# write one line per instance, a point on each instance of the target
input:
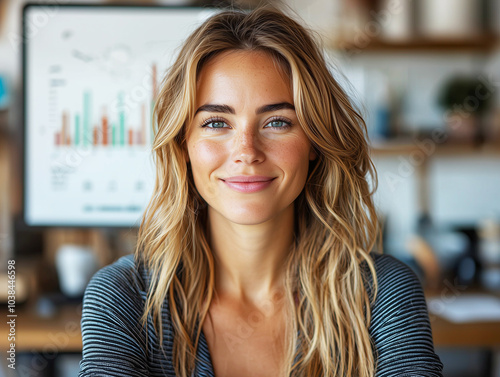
(114, 344)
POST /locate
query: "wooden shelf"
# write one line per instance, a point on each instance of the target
(393, 147)
(405, 146)
(485, 43)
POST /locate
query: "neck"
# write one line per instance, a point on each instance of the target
(250, 259)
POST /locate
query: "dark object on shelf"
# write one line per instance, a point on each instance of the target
(468, 268)
(465, 100)
(467, 93)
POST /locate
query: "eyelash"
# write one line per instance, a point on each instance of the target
(206, 122)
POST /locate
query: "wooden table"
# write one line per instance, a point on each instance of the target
(59, 333)
(480, 334)
(472, 334)
(469, 334)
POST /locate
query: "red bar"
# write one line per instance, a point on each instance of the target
(58, 138)
(95, 141)
(64, 128)
(105, 130)
(155, 87)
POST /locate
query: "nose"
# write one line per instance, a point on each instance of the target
(247, 147)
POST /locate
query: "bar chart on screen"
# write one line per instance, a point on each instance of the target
(78, 128)
(92, 78)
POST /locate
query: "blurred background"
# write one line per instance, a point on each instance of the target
(77, 84)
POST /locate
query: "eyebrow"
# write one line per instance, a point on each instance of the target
(229, 110)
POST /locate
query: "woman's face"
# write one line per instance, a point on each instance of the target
(246, 125)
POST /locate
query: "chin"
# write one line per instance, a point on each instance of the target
(246, 216)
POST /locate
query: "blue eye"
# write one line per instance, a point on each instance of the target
(280, 123)
(216, 124)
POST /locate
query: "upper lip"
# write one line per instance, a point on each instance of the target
(248, 178)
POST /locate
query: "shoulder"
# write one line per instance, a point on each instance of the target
(394, 277)
(400, 326)
(115, 342)
(400, 296)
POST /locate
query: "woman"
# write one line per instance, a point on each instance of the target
(256, 253)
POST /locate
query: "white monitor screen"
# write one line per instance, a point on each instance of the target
(91, 73)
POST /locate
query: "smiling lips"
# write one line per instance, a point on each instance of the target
(248, 183)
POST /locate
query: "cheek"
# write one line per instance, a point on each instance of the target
(205, 155)
(293, 155)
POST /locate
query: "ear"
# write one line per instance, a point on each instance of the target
(312, 154)
(185, 153)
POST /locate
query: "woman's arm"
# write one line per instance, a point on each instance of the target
(400, 324)
(113, 342)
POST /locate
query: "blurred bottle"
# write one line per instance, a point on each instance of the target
(449, 18)
(355, 18)
(489, 252)
(397, 20)
(380, 126)
(4, 93)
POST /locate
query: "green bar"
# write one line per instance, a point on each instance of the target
(87, 137)
(77, 129)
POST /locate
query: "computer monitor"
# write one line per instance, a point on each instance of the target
(91, 74)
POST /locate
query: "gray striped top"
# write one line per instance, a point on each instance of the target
(114, 344)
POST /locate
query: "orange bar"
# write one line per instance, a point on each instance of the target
(95, 141)
(105, 130)
(130, 137)
(68, 140)
(64, 127)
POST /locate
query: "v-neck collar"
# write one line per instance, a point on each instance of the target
(204, 366)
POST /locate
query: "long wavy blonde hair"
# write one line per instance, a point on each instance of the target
(336, 224)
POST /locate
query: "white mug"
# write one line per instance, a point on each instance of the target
(75, 266)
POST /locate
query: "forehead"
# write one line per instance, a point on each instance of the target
(246, 71)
